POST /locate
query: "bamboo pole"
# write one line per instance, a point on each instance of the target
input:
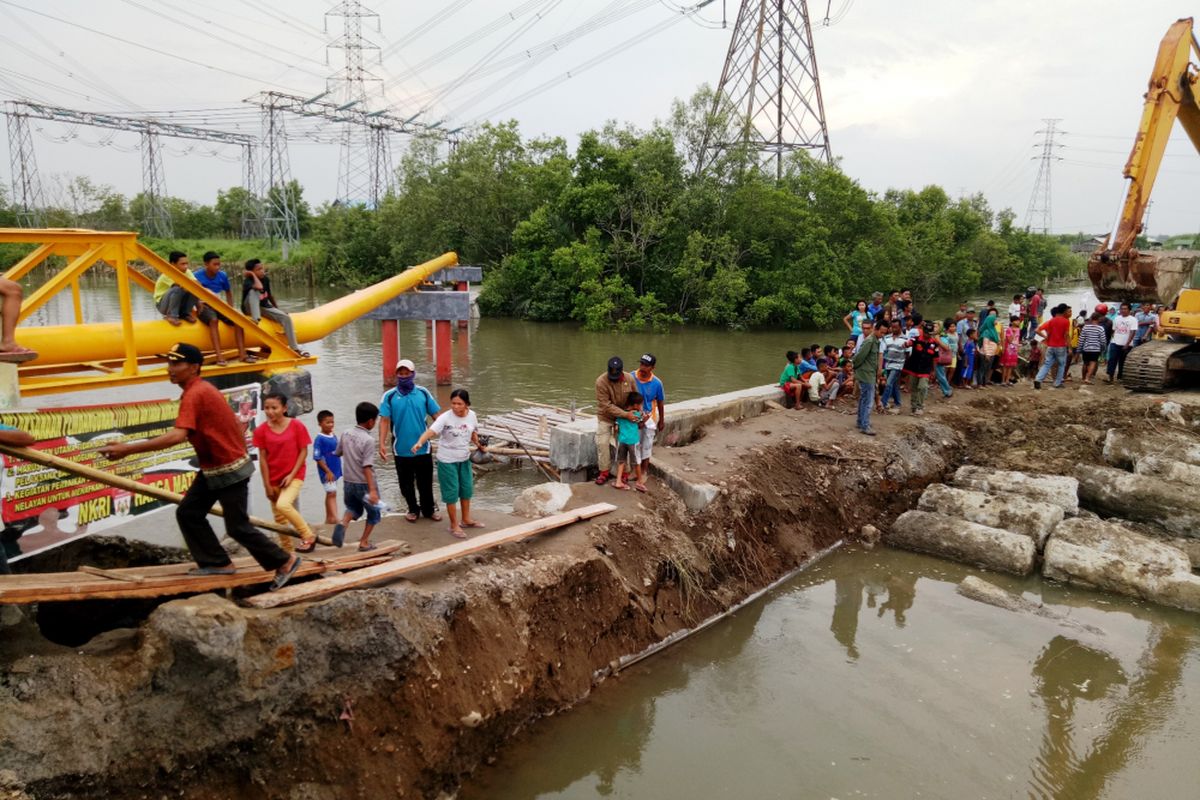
(540, 466)
(119, 482)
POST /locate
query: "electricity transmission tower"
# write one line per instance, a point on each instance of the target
(360, 171)
(27, 184)
(278, 215)
(771, 86)
(27, 187)
(1039, 201)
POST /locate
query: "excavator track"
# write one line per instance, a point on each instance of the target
(1148, 367)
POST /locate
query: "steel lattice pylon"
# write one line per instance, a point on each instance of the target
(279, 217)
(382, 171)
(771, 85)
(253, 226)
(26, 183)
(358, 165)
(157, 218)
(1038, 210)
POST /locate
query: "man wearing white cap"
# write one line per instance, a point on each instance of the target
(403, 416)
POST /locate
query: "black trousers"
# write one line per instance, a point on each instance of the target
(192, 516)
(417, 470)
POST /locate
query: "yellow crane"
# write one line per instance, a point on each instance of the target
(1118, 271)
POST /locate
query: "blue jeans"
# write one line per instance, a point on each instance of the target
(1054, 354)
(940, 371)
(892, 390)
(866, 399)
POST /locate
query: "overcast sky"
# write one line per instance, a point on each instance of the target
(919, 92)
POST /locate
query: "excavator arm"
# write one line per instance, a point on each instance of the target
(1117, 270)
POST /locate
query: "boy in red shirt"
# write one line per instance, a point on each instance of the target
(282, 458)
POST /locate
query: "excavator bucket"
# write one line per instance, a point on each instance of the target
(1156, 277)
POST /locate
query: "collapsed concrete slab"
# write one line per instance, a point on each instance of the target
(1060, 490)
(573, 445)
(1106, 555)
(981, 591)
(1123, 449)
(959, 540)
(696, 495)
(1013, 512)
(1116, 493)
(1168, 469)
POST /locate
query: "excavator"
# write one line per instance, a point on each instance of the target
(1119, 272)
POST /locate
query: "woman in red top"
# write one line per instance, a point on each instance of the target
(282, 455)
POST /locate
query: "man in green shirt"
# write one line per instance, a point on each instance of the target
(866, 374)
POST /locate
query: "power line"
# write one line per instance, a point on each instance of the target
(138, 45)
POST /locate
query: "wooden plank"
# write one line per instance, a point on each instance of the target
(121, 482)
(59, 586)
(440, 555)
(116, 576)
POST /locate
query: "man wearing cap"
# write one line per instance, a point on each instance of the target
(612, 388)
(403, 415)
(209, 424)
(650, 387)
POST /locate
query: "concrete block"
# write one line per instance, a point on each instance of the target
(424, 305)
(1106, 555)
(696, 495)
(573, 445)
(1125, 450)
(1061, 490)
(456, 274)
(10, 386)
(1168, 469)
(1013, 512)
(967, 542)
(1116, 493)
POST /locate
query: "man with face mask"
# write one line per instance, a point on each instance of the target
(403, 416)
(612, 388)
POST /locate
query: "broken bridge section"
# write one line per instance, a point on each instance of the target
(436, 303)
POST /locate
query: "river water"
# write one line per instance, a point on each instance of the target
(869, 676)
(866, 676)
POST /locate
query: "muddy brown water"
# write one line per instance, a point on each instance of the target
(869, 676)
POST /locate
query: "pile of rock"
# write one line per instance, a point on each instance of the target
(1138, 532)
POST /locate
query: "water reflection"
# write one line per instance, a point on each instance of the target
(764, 706)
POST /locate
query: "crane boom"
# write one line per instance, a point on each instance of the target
(1117, 270)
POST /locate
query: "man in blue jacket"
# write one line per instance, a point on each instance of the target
(403, 416)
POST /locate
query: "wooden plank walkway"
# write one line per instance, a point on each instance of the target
(531, 423)
(315, 590)
(169, 579)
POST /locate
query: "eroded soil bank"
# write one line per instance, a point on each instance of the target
(403, 690)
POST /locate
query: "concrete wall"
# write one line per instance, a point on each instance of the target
(573, 446)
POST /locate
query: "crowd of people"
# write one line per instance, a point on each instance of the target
(893, 350)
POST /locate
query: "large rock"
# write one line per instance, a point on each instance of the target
(981, 591)
(1125, 450)
(1106, 555)
(1012, 512)
(1168, 469)
(1060, 490)
(959, 540)
(1116, 493)
(542, 500)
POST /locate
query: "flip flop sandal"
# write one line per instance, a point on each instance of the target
(281, 578)
(436, 517)
(307, 547)
(412, 517)
(473, 524)
(641, 487)
(458, 533)
(368, 548)
(204, 571)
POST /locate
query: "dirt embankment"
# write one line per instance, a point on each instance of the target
(402, 690)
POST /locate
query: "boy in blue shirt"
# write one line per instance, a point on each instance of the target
(325, 446)
(213, 278)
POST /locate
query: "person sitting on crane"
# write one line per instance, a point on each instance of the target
(213, 278)
(10, 310)
(258, 302)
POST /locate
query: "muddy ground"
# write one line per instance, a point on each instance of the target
(402, 690)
